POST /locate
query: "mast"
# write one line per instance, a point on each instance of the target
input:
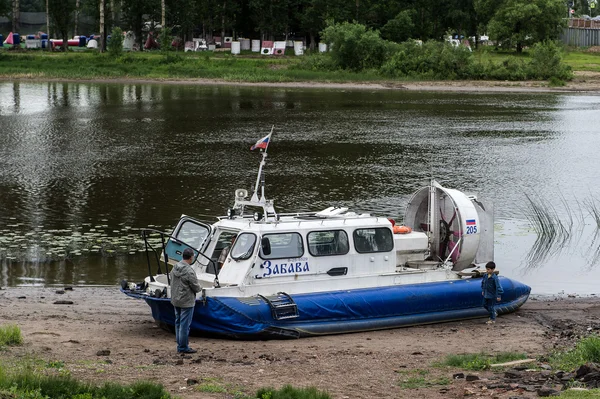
(260, 181)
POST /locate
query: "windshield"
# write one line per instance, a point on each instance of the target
(243, 246)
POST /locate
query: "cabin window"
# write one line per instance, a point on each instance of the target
(192, 234)
(324, 243)
(378, 239)
(243, 246)
(282, 245)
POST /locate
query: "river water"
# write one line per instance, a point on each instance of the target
(85, 166)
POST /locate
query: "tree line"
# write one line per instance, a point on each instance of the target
(511, 23)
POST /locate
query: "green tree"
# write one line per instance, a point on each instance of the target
(165, 39)
(182, 14)
(355, 47)
(61, 15)
(133, 16)
(270, 17)
(4, 8)
(400, 28)
(115, 45)
(519, 23)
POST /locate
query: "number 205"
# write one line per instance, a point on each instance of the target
(471, 229)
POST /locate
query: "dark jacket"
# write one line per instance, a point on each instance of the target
(491, 287)
(184, 285)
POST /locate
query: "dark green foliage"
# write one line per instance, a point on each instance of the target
(289, 392)
(354, 47)
(165, 38)
(270, 16)
(399, 29)
(5, 8)
(115, 45)
(546, 62)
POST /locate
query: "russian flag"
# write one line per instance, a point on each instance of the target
(471, 222)
(262, 143)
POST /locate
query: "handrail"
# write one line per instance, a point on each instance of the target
(146, 235)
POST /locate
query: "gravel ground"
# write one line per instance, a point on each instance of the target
(100, 335)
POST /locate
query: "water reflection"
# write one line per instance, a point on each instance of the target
(74, 156)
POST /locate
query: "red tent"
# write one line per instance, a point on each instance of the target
(150, 43)
(9, 39)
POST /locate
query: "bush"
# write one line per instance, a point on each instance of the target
(316, 62)
(546, 62)
(115, 44)
(509, 69)
(354, 47)
(433, 60)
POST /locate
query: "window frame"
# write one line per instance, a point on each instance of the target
(391, 235)
(322, 231)
(196, 224)
(269, 257)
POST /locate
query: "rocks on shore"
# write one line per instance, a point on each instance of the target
(544, 383)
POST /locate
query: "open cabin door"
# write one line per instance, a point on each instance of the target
(188, 232)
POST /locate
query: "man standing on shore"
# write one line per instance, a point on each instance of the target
(184, 287)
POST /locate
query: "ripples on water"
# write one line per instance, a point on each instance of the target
(74, 156)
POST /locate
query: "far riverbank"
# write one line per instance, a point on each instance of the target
(584, 82)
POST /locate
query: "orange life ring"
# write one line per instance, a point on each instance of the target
(402, 229)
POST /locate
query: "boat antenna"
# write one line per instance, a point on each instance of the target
(260, 178)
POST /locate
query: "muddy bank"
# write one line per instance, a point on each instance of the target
(102, 335)
(584, 81)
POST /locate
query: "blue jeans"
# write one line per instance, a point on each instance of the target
(183, 321)
(490, 305)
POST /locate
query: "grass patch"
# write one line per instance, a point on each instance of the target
(289, 392)
(480, 361)
(10, 334)
(582, 60)
(571, 394)
(156, 66)
(216, 385)
(586, 350)
(422, 382)
(417, 378)
(212, 388)
(249, 67)
(29, 384)
(212, 385)
(55, 364)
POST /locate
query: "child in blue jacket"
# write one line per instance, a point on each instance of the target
(491, 289)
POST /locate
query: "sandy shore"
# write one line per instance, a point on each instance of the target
(363, 365)
(585, 82)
